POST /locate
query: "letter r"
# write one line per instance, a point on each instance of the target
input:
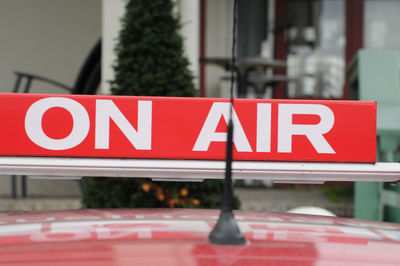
(314, 133)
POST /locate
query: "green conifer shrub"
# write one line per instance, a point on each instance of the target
(150, 62)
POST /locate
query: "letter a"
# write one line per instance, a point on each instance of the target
(208, 134)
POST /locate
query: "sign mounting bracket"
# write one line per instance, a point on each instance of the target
(195, 170)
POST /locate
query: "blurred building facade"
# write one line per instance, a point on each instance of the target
(50, 38)
(316, 38)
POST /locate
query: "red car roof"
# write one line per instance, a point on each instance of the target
(179, 237)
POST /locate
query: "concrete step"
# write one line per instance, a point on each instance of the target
(41, 204)
(253, 199)
(282, 200)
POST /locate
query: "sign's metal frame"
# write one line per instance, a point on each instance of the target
(22, 141)
(198, 170)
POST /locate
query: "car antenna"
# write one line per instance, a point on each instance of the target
(226, 231)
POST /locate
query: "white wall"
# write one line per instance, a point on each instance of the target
(50, 38)
(46, 37)
(112, 14)
(218, 41)
(190, 20)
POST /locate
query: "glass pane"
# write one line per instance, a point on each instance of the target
(316, 41)
(381, 24)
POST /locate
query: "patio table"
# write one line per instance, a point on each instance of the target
(244, 66)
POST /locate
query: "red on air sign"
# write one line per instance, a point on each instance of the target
(186, 128)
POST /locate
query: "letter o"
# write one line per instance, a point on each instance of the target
(33, 123)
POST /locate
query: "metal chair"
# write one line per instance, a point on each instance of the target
(87, 82)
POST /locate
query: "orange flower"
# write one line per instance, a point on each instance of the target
(160, 194)
(146, 187)
(196, 202)
(172, 202)
(183, 192)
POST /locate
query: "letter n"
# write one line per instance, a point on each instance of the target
(107, 110)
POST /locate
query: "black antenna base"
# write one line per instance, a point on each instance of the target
(226, 231)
